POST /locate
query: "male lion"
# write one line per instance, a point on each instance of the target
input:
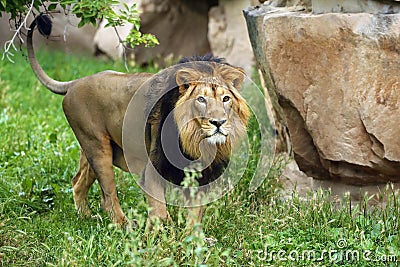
(199, 102)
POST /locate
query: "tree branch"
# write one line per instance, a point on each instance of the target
(10, 43)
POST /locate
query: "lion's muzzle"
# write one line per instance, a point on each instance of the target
(219, 134)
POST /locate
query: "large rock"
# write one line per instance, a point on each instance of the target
(337, 79)
(179, 25)
(227, 33)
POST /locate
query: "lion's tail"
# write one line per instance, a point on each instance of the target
(43, 23)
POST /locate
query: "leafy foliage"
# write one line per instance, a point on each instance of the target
(18, 8)
(89, 12)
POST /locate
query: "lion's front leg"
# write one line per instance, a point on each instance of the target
(155, 191)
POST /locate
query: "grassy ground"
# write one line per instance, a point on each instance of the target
(39, 226)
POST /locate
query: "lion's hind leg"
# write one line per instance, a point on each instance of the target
(98, 151)
(81, 184)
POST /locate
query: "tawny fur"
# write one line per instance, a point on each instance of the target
(95, 107)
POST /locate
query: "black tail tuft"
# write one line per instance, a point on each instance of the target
(44, 24)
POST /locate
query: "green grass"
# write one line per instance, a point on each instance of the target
(39, 226)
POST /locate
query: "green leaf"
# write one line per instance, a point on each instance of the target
(3, 5)
(51, 7)
(81, 23)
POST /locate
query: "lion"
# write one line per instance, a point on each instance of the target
(199, 97)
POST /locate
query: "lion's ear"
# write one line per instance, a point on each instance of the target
(186, 76)
(232, 75)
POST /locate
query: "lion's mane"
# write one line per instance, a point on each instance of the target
(162, 99)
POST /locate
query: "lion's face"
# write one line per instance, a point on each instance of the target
(210, 111)
(211, 107)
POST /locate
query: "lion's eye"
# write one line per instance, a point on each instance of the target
(186, 86)
(201, 99)
(226, 98)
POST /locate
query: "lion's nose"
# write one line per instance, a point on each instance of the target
(217, 123)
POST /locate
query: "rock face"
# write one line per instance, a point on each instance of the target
(184, 28)
(227, 33)
(337, 80)
(355, 6)
(287, 3)
(179, 25)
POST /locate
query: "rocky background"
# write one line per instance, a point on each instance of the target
(333, 69)
(330, 69)
(184, 28)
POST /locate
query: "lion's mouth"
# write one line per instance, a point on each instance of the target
(217, 138)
